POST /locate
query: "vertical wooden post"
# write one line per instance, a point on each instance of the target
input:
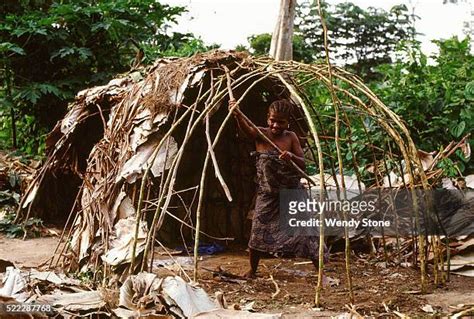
(281, 47)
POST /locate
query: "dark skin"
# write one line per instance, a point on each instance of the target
(277, 131)
(291, 148)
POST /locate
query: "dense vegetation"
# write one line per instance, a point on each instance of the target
(49, 50)
(434, 95)
(360, 39)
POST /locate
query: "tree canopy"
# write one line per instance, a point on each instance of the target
(359, 38)
(50, 50)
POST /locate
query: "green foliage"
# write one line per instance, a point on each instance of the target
(361, 38)
(450, 169)
(435, 99)
(86, 277)
(241, 48)
(49, 50)
(260, 45)
(10, 48)
(9, 201)
(31, 226)
(187, 46)
(354, 141)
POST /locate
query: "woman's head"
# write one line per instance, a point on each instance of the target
(281, 106)
(278, 116)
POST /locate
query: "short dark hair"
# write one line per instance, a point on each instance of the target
(281, 106)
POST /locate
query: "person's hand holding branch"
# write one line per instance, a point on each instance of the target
(286, 156)
(232, 103)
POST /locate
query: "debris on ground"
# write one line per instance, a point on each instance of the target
(144, 294)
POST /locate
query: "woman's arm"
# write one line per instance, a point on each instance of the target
(296, 154)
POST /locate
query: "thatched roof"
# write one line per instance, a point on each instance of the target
(134, 153)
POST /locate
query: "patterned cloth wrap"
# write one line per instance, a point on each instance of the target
(274, 174)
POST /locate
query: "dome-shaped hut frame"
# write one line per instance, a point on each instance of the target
(160, 131)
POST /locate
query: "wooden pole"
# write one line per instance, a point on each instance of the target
(281, 47)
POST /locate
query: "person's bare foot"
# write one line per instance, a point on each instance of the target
(250, 274)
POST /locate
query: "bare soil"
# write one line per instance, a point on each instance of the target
(28, 253)
(374, 284)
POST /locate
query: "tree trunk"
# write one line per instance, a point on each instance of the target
(281, 48)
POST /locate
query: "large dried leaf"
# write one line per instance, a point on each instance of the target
(469, 181)
(466, 271)
(191, 300)
(197, 77)
(463, 264)
(116, 207)
(71, 119)
(31, 195)
(144, 125)
(238, 314)
(176, 96)
(14, 284)
(466, 149)
(468, 243)
(52, 277)
(140, 291)
(78, 301)
(426, 159)
(114, 87)
(447, 183)
(126, 208)
(135, 166)
(165, 157)
(82, 237)
(121, 245)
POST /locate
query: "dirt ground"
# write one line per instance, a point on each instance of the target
(379, 290)
(374, 285)
(28, 253)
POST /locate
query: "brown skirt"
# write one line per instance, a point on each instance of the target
(268, 236)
